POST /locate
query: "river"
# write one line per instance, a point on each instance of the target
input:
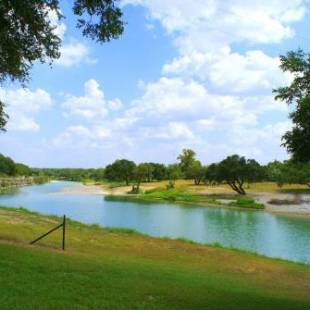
(269, 234)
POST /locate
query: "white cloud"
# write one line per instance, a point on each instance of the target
(174, 130)
(210, 97)
(59, 27)
(208, 24)
(92, 106)
(23, 105)
(74, 53)
(81, 135)
(232, 73)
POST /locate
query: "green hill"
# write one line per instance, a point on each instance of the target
(119, 269)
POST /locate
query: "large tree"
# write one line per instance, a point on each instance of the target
(27, 34)
(196, 172)
(297, 140)
(235, 171)
(186, 159)
(120, 170)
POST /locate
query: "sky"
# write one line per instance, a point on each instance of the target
(185, 74)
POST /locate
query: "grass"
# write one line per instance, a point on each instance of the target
(182, 195)
(120, 269)
(246, 202)
(222, 189)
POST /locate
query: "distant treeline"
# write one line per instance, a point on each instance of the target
(8, 167)
(235, 170)
(71, 174)
(14, 174)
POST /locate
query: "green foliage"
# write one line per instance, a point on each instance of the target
(120, 170)
(3, 117)
(7, 166)
(273, 171)
(121, 269)
(107, 23)
(142, 172)
(173, 173)
(293, 173)
(196, 171)
(186, 159)
(71, 174)
(235, 171)
(27, 34)
(297, 140)
(159, 171)
(246, 202)
(22, 170)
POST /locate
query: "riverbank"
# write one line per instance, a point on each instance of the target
(9, 183)
(222, 196)
(121, 269)
(210, 196)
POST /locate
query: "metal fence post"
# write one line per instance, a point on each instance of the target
(64, 233)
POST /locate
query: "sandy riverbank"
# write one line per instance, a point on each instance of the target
(294, 209)
(82, 189)
(302, 208)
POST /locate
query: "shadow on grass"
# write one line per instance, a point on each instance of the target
(294, 190)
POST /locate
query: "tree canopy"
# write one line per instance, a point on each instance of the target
(120, 170)
(235, 171)
(297, 140)
(196, 172)
(8, 167)
(27, 33)
(186, 158)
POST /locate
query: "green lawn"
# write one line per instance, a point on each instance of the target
(183, 195)
(118, 269)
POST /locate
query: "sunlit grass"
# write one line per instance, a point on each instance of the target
(121, 269)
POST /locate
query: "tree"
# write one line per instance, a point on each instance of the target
(7, 166)
(141, 172)
(297, 140)
(274, 171)
(196, 171)
(120, 170)
(3, 117)
(27, 33)
(235, 171)
(159, 171)
(186, 158)
(148, 168)
(173, 173)
(293, 173)
(211, 174)
(22, 170)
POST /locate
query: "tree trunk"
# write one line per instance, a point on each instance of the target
(237, 188)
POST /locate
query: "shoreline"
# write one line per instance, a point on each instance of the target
(121, 193)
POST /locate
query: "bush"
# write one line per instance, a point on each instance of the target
(246, 202)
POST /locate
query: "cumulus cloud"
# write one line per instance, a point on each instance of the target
(212, 23)
(92, 106)
(210, 97)
(74, 53)
(81, 135)
(231, 72)
(23, 105)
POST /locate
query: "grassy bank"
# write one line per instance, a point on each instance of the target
(119, 269)
(182, 195)
(11, 184)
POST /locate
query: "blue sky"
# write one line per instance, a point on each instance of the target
(195, 74)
